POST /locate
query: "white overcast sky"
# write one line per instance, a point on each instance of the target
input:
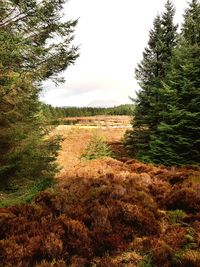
(112, 35)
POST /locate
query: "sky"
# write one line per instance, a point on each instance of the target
(111, 35)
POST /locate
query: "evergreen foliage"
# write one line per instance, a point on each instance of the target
(55, 114)
(191, 26)
(150, 74)
(173, 137)
(30, 53)
(97, 148)
(177, 140)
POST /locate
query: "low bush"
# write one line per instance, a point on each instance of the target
(161, 253)
(54, 263)
(183, 198)
(109, 220)
(187, 258)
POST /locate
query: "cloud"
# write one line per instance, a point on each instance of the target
(112, 35)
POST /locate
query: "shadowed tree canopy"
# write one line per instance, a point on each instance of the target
(35, 45)
(35, 39)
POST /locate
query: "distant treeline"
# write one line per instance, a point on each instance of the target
(55, 113)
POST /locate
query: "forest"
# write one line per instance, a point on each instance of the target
(98, 196)
(56, 114)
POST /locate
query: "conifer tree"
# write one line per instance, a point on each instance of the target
(35, 44)
(177, 139)
(147, 74)
(169, 34)
(191, 25)
(150, 74)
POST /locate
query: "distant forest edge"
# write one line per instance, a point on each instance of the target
(55, 113)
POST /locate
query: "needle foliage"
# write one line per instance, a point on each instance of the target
(35, 45)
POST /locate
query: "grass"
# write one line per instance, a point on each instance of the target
(175, 216)
(26, 193)
(146, 262)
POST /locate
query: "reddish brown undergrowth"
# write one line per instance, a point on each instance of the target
(91, 218)
(107, 213)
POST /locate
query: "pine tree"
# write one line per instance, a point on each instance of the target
(147, 74)
(35, 44)
(169, 34)
(150, 74)
(177, 139)
(191, 26)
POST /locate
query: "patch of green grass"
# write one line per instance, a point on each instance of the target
(146, 262)
(25, 194)
(175, 216)
(177, 257)
(191, 244)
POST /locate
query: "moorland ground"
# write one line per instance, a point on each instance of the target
(108, 211)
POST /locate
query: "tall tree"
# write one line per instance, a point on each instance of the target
(147, 73)
(191, 25)
(169, 34)
(35, 44)
(177, 140)
(150, 74)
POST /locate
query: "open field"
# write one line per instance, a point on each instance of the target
(106, 212)
(76, 141)
(100, 121)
